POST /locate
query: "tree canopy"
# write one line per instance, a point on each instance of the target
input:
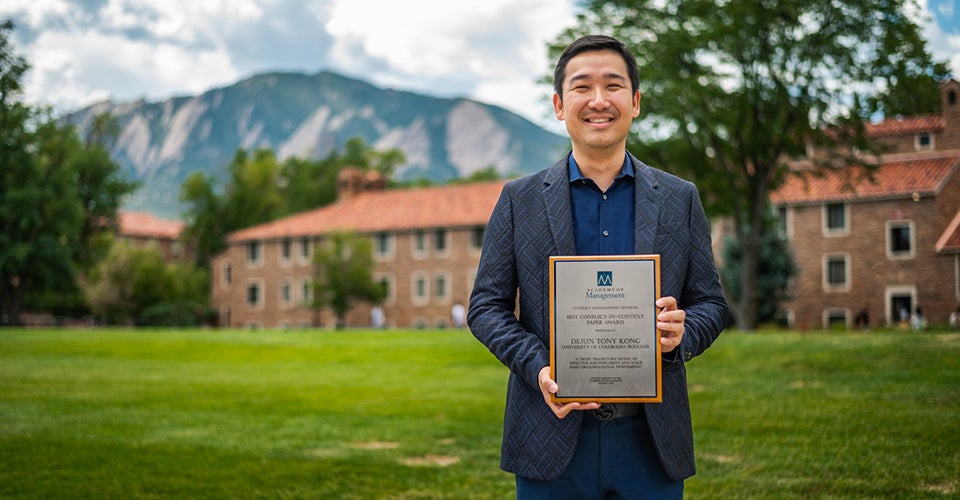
(343, 274)
(261, 188)
(733, 92)
(58, 196)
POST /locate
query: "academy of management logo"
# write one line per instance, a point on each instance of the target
(604, 278)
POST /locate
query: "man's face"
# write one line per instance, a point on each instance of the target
(598, 102)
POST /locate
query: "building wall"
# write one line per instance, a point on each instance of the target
(874, 276)
(444, 275)
(171, 249)
(950, 108)
(909, 143)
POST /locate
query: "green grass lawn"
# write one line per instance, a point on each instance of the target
(417, 414)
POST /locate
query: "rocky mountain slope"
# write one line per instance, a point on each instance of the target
(161, 143)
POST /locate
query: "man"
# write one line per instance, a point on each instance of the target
(459, 314)
(599, 200)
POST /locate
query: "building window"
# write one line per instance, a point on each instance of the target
(305, 248)
(227, 273)
(419, 244)
(924, 141)
(306, 292)
(476, 237)
(253, 252)
(440, 240)
(835, 272)
(383, 246)
(835, 217)
(285, 295)
(835, 319)
(386, 286)
(420, 293)
(901, 301)
(440, 287)
(956, 276)
(253, 295)
(899, 239)
(286, 249)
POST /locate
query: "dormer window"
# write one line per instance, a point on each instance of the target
(924, 141)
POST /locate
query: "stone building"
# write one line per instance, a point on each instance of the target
(886, 242)
(426, 246)
(145, 229)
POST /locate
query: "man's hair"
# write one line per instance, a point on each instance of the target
(594, 43)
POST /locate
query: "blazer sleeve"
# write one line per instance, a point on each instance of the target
(492, 317)
(702, 297)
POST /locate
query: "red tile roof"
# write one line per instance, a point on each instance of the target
(392, 210)
(146, 225)
(897, 177)
(949, 241)
(907, 125)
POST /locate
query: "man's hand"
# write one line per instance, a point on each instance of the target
(548, 387)
(670, 323)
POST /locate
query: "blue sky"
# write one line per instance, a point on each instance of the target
(84, 51)
(946, 14)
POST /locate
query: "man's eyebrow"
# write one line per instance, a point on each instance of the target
(607, 76)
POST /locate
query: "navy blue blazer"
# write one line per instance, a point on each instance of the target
(532, 221)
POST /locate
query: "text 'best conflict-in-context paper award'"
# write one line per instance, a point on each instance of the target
(604, 341)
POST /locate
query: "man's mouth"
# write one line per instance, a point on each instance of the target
(599, 120)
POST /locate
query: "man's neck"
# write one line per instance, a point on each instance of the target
(603, 169)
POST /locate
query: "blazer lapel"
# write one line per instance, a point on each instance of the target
(647, 201)
(556, 198)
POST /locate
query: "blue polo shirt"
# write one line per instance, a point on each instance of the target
(603, 222)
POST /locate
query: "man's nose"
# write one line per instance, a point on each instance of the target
(599, 99)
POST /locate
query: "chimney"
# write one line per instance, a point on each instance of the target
(352, 181)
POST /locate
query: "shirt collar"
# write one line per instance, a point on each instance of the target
(575, 175)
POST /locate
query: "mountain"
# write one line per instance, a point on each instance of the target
(161, 143)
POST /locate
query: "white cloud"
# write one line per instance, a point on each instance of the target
(490, 50)
(35, 12)
(942, 44)
(493, 50)
(69, 71)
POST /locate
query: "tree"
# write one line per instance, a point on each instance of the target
(133, 284)
(251, 196)
(100, 188)
(344, 274)
(261, 189)
(777, 267)
(734, 92)
(57, 196)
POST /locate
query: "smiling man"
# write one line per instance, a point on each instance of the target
(598, 200)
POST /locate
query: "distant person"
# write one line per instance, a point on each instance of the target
(862, 320)
(459, 315)
(597, 200)
(377, 317)
(917, 321)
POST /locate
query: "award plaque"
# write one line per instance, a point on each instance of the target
(604, 341)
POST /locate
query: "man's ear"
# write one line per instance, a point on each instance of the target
(558, 106)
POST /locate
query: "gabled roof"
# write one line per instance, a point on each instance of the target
(147, 225)
(898, 176)
(458, 205)
(949, 241)
(907, 125)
